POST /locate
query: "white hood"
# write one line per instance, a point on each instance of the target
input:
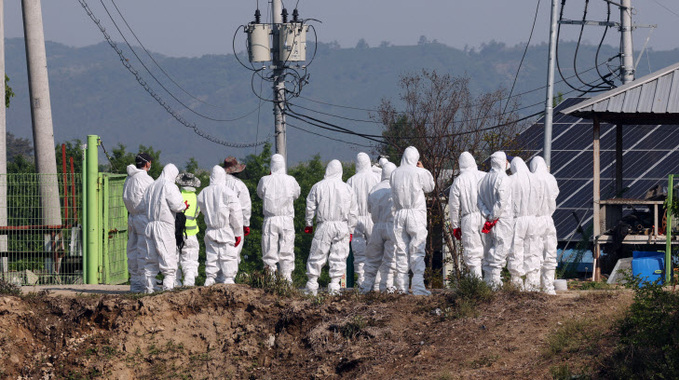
(362, 162)
(467, 161)
(333, 170)
(277, 164)
(387, 169)
(218, 175)
(410, 156)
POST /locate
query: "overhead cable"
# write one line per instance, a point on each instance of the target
(144, 84)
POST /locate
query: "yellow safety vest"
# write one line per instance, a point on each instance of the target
(191, 222)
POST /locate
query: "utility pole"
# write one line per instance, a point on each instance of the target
(549, 106)
(279, 80)
(41, 111)
(626, 48)
(3, 133)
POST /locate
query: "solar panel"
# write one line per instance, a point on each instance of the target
(650, 154)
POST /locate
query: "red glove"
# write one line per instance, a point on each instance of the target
(309, 230)
(238, 238)
(457, 233)
(246, 231)
(489, 225)
(351, 237)
(187, 205)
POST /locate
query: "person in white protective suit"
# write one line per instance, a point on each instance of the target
(134, 187)
(409, 182)
(361, 183)
(188, 254)
(523, 211)
(232, 168)
(546, 241)
(333, 203)
(278, 192)
(495, 204)
(465, 217)
(224, 228)
(162, 201)
(379, 254)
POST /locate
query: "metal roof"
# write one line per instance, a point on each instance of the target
(653, 99)
(650, 153)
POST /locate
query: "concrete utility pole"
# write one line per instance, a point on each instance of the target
(279, 81)
(549, 107)
(626, 46)
(41, 111)
(3, 133)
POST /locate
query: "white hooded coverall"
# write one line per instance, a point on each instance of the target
(547, 242)
(408, 185)
(495, 203)
(361, 183)
(278, 192)
(523, 198)
(135, 185)
(464, 212)
(162, 201)
(379, 253)
(333, 203)
(234, 183)
(224, 221)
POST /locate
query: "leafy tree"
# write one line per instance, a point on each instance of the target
(8, 91)
(120, 158)
(18, 146)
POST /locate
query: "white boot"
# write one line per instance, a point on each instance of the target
(334, 287)
(209, 281)
(402, 282)
(418, 287)
(547, 280)
(533, 281)
(311, 286)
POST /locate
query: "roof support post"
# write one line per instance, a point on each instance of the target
(596, 198)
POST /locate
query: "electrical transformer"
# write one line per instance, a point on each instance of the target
(259, 49)
(292, 41)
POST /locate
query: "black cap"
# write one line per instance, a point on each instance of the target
(142, 159)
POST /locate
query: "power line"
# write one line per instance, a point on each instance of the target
(158, 81)
(518, 70)
(666, 8)
(154, 60)
(142, 82)
(328, 137)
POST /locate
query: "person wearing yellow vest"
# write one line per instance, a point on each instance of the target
(188, 255)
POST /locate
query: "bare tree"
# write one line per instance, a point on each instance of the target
(439, 115)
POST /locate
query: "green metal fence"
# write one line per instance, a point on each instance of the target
(41, 244)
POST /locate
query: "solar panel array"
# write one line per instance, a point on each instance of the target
(650, 154)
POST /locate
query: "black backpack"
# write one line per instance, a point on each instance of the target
(180, 229)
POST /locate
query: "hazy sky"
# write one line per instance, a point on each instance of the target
(197, 27)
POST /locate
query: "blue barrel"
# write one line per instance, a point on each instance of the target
(649, 266)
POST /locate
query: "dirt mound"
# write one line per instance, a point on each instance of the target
(238, 332)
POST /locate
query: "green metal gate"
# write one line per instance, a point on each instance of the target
(104, 221)
(113, 227)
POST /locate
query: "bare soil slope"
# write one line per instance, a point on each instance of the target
(239, 332)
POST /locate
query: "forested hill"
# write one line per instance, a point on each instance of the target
(93, 93)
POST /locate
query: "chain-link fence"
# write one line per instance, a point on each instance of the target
(40, 228)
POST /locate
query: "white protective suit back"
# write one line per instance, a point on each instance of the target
(331, 199)
(495, 199)
(163, 198)
(362, 182)
(136, 183)
(278, 190)
(521, 185)
(243, 195)
(551, 188)
(221, 208)
(409, 183)
(463, 197)
(380, 203)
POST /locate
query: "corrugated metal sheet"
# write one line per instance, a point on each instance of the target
(656, 93)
